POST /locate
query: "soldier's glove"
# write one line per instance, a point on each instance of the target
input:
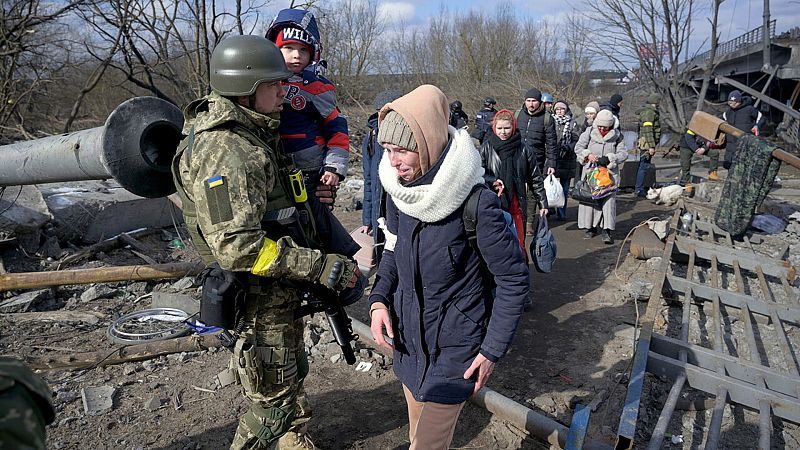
(337, 270)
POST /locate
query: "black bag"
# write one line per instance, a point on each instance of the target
(582, 193)
(222, 301)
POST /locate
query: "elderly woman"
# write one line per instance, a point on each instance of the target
(602, 144)
(430, 295)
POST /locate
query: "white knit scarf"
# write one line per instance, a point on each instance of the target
(459, 172)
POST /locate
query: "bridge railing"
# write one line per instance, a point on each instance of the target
(754, 36)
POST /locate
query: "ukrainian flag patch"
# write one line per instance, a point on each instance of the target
(215, 181)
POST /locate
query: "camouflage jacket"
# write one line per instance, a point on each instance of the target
(231, 177)
(25, 406)
(649, 128)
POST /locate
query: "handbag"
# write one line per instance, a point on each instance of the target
(582, 193)
(600, 181)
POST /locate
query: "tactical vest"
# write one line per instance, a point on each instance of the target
(279, 199)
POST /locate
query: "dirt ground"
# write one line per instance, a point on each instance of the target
(573, 347)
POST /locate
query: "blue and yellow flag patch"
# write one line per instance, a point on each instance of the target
(215, 181)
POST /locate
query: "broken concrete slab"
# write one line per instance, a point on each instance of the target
(97, 399)
(184, 302)
(93, 211)
(27, 301)
(98, 291)
(23, 216)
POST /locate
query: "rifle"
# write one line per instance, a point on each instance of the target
(319, 298)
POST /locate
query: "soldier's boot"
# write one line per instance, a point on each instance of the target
(296, 440)
(712, 176)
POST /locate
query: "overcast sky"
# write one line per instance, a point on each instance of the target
(736, 16)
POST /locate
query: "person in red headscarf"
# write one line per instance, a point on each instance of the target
(509, 169)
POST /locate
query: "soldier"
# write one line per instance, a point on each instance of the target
(233, 177)
(483, 120)
(649, 136)
(458, 118)
(25, 406)
(691, 144)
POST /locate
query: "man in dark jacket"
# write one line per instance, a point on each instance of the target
(538, 132)
(742, 115)
(372, 152)
(614, 104)
(483, 120)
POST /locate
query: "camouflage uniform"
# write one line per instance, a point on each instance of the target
(649, 136)
(25, 406)
(230, 173)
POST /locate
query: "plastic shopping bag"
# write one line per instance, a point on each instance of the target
(555, 193)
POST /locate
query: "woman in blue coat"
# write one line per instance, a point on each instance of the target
(432, 296)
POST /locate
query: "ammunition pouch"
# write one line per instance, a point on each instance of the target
(222, 300)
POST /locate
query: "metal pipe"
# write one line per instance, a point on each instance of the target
(135, 147)
(520, 416)
(764, 425)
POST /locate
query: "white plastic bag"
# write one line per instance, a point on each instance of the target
(555, 193)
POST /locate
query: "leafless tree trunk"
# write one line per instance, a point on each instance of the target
(646, 37)
(28, 34)
(708, 68)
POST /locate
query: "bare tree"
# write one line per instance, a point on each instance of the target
(709, 65)
(646, 37)
(350, 31)
(163, 47)
(29, 57)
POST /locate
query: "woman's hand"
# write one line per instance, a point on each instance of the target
(542, 212)
(366, 229)
(498, 187)
(329, 179)
(380, 320)
(482, 368)
(700, 151)
(592, 157)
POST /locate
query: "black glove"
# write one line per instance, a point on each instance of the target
(337, 270)
(603, 161)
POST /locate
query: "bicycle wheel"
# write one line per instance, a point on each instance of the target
(149, 325)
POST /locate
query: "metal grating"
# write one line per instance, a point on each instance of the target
(731, 339)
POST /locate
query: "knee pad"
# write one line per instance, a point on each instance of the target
(268, 423)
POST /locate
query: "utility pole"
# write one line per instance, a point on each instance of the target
(767, 47)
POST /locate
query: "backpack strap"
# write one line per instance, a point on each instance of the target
(470, 215)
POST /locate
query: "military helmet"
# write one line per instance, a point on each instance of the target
(456, 105)
(547, 97)
(240, 63)
(489, 101)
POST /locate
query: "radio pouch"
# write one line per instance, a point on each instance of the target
(222, 300)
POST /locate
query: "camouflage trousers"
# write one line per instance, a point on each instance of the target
(270, 364)
(686, 163)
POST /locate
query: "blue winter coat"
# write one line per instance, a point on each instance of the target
(371, 152)
(442, 312)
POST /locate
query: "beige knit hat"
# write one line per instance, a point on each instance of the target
(425, 111)
(605, 118)
(394, 130)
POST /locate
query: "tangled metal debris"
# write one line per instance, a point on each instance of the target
(735, 341)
